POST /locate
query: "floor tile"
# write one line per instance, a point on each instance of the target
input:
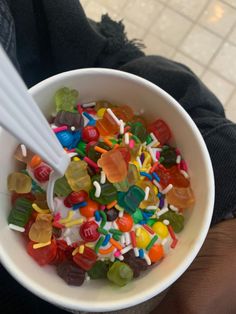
(220, 87)
(190, 8)
(218, 17)
(133, 31)
(142, 12)
(230, 2)
(95, 10)
(231, 108)
(232, 36)
(171, 27)
(114, 5)
(194, 66)
(84, 3)
(225, 62)
(156, 46)
(200, 44)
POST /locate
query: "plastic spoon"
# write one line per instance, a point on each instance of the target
(20, 116)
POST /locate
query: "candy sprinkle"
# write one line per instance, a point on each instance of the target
(40, 245)
(23, 150)
(152, 242)
(98, 189)
(99, 243)
(167, 189)
(112, 204)
(147, 191)
(90, 162)
(127, 138)
(103, 177)
(122, 126)
(81, 249)
(147, 259)
(162, 211)
(16, 228)
(111, 113)
(100, 150)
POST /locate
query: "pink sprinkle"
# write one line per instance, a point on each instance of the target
(60, 128)
(71, 150)
(173, 244)
(91, 111)
(131, 143)
(102, 207)
(158, 155)
(149, 229)
(57, 217)
(91, 163)
(79, 108)
(183, 165)
(117, 253)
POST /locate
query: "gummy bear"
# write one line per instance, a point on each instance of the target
(108, 192)
(23, 154)
(123, 112)
(107, 125)
(44, 255)
(20, 212)
(133, 175)
(41, 200)
(131, 199)
(62, 187)
(169, 156)
(135, 263)
(181, 197)
(120, 273)
(19, 182)
(161, 130)
(177, 178)
(99, 270)
(41, 230)
(77, 176)
(70, 119)
(114, 166)
(87, 259)
(176, 220)
(139, 130)
(93, 154)
(66, 99)
(29, 196)
(152, 198)
(71, 273)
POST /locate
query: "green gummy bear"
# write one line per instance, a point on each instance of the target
(120, 273)
(169, 156)
(137, 216)
(82, 146)
(131, 199)
(138, 129)
(108, 193)
(62, 187)
(66, 99)
(20, 213)
(176, 220)
(99, 270)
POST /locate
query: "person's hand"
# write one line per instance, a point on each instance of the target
(209, 285)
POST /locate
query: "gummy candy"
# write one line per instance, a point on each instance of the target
(71, 273)
(87, 259)
(44, 255)
(123, 112)
(20, 212)
(135, 263)
(99, 270)
(169, 156)
(41, 230)
(107, 125)
(108, 193)
(19, 182)
(176, 220)
(181, 197)
(131, 199)
(77, 176)
(23, 157)
(114, 166)
(66, 99)
(160, 129)
(62, 187)
(120, 273)
(139, 130)
(70, 119)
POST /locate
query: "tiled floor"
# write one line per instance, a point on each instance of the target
(198, 33)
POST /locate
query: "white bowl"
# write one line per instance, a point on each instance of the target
(119, 87)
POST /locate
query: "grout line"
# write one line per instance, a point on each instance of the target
(229, 99)
(230, 5)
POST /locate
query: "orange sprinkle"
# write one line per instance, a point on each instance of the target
(107, 251)
(100, 150)
(116, 146)
(108, 142)
(116, 244)
(35, 161)
(154, 167)
(112, 204)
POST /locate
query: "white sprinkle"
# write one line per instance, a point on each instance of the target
(72, 128)
(103, 177)
(122, 127)
(164, 241)
(127, 138)
(115, 226)
(126, 249)
(90, 104)
(167, 189)
(152, 154)
(153, 137)
(147, 190)
(121, 257)
(178, 159)
(175, 209)
(147, 259)
(166, 222)
(112, 258)
(111, 113)
(16, 228)
(139, 162)
(23, 150)
(185, 174)
(102, 259)
(151, 207)
(98, 189)
(72, 154)
(156, 149)
(122, 239)
(162, 211)
(136, 252)
(121, 213)
(127, 238)
(68, 241)
(87, 277)
(158, 185)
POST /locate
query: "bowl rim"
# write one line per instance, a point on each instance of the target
(147, 293)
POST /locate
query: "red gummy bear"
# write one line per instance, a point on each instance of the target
(87, 259)
(75, 198)
(161, 130)
(44, 255)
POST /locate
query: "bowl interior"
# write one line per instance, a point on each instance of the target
(119, 87)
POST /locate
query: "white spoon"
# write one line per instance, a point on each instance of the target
(20, 116)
